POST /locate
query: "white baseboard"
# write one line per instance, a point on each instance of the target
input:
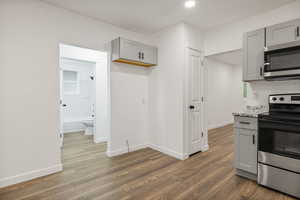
(152, 146)
(57, 168)
(99, 140)
(125, 150)
(213, 126)
(205, 148)
(73, 130)
(29, 175)
(168, 151)
(186, 156)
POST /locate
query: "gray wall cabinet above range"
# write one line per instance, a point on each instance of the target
(253, 51)
(279, 36)
(132, 52)
(245, 129)
(282, 34)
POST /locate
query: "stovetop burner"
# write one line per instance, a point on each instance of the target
(283, 107)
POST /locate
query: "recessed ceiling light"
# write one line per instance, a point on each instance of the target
(190, 3)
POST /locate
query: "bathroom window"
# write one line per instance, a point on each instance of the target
(71, 82)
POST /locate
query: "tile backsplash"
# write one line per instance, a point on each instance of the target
(258, 92)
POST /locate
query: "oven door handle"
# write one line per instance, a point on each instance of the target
(280, 122)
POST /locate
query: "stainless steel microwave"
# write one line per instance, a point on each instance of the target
(282, 63)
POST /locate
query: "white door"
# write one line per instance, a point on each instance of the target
(195, 100)
(61, 108)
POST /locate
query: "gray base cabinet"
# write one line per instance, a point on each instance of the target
(245, 129)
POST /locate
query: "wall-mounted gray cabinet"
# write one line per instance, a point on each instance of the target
(132, 52)
(253, 52)
(282, 34)
(245, 129)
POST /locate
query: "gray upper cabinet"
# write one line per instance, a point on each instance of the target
(246, 150)
(149, 54)
(282, 34)
(132, 52)
(253, 51)
(129, 50)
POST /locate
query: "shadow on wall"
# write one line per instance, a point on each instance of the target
(130, 69)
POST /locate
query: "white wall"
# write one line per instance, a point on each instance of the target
(103, 104)
(238, 100)
(79, 53)
(194, 38)
(166, 92)
(257, 91)
(229, 37)
(167, 129)
(129, 107)
(29, 119)
(224, 92)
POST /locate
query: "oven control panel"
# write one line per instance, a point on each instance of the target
(285, 99)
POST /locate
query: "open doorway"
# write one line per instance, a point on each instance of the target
(84, 101)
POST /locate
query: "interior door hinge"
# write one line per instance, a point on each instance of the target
(202, 61)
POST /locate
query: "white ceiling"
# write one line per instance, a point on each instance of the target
(148, 16)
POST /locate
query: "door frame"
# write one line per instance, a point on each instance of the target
(106, 49)
(61, 91)
(186, 136)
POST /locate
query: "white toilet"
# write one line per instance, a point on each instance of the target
(89, 126)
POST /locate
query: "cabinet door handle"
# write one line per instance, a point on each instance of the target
(140, 54)
(246, 123)
(253, 139)
(298, 31)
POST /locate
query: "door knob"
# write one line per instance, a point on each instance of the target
(192, 107)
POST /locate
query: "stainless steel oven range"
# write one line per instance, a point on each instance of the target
(279, 145)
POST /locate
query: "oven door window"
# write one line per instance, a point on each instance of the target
(280, 142)
(283, 59)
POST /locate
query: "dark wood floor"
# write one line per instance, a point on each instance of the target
(145, 174)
